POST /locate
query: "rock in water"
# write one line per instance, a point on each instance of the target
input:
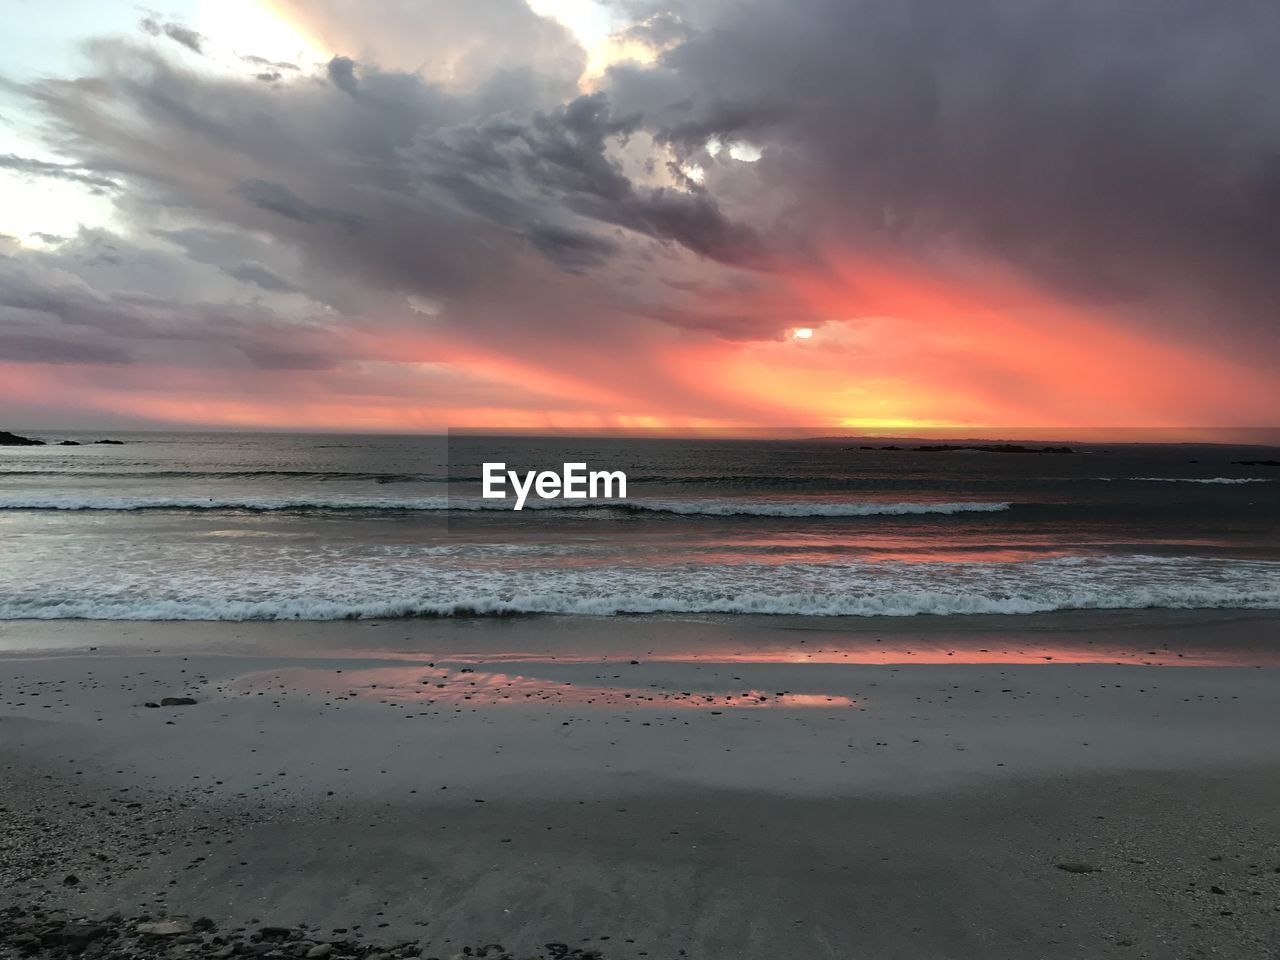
(8, 439)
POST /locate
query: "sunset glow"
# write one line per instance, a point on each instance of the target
(355, 222)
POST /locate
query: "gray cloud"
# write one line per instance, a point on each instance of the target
(273, 65)
(1122, 157)
(38, 348)
(56, 171)
(564, 154)
(278, 198)
(342, 73)
(49, 313)
(570, 248)
(261, 276)
(176, 32)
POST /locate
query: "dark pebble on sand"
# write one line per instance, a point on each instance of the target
(1077, 867)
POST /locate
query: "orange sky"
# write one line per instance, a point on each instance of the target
(903, 351)
(931, 355)
(320, 246)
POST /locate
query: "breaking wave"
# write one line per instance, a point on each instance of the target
(376, 591)
(709, 507)
(1194, 479)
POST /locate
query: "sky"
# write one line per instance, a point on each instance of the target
(379, 215)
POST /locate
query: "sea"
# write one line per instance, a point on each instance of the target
(268, 526)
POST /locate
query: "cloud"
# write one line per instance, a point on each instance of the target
(56, 171)
(278, 198)
(1124, 156)
(499, 50)
(176, 32)
(263, 277)
(996, 173)
(342, 73)
(49, 312)
(570, 248)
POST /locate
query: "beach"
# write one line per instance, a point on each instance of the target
(1088, 784)
(639, 480)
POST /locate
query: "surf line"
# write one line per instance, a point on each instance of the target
(574, 482)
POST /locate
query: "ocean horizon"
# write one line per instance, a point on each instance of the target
(226, 526)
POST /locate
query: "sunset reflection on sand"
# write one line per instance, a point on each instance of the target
(466, 686)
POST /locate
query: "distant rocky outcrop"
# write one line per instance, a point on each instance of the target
(1258, 463)
(991, 448)
(8, 439)
(973, 447)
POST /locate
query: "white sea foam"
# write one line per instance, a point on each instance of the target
(380, 589)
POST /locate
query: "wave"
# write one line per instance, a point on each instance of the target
(1193, 479)
(838, 589)
(719, 508)
(798, 508)
(318, 475)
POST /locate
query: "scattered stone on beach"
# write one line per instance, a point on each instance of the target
(1078, 867)
(165, 928)
(176, 702)
(48, 935)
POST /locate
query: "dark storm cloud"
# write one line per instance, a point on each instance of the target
(570, 248)
(564, 153)
(1123, 154)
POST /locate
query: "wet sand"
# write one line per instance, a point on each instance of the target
(744, 788)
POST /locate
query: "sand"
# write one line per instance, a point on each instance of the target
(744, 788)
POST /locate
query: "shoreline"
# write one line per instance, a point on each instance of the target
(744, 788)
(1246, 635)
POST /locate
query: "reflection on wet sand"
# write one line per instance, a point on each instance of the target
(868, 653)
(428, 685)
